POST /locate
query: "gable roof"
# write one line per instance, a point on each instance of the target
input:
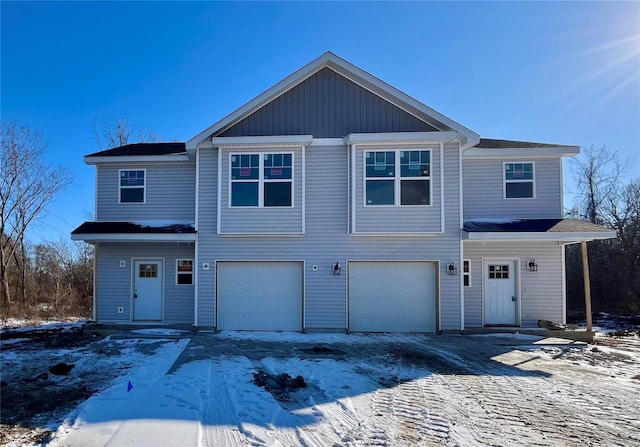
(142, 149)
(351, 72)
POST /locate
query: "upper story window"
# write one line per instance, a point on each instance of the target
(519, 181)
(132, 186)
(261, 180)
(398, 177)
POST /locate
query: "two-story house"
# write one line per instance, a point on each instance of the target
(332, 202)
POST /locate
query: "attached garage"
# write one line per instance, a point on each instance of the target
(392, 296)
(262, 296)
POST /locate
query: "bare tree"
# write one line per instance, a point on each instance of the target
(120, 133)
(28, 185)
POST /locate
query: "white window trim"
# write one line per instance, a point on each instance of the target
(192, 273)
(467, 274)
(261, 180)
(397, 179)
(144, 187)
(504, 180)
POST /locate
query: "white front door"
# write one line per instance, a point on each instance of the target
(147, 290)
(500, 293)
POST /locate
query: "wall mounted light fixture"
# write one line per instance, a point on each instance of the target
(452, 269)
(533, 267)
(336, 268)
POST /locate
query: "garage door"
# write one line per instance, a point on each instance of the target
(392, 296)
(263, 296)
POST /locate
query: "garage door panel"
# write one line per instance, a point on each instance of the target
(392, 296)
(259, 296)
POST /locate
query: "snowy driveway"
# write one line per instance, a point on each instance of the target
(391, 390)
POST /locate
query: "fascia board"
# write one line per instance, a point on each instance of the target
(553, 152)
(136, 159)
(273, 141)
(547, 236)
(400, 138)
(117, 237)
(308, 70)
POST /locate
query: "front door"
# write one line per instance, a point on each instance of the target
(500, 293)
(147, 290)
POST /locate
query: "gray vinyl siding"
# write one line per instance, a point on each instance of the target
(483, 190)
(540, 293)
(326, 242)
(170, 193)
(327, 105)
(400, 219)
(265, 220)
(114, 282)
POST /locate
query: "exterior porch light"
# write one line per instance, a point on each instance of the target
(452, 269)
(336, 268)
(533, 267)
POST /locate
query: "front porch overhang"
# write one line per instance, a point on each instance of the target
(135, 232)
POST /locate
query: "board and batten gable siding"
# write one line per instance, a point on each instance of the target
(169, 190)
(114, 282)
(484, 190)
(399, 219)
(539, 293)
(264, 220)
(325, 242)
(327, 105)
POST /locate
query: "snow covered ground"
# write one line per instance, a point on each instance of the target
(361, 390)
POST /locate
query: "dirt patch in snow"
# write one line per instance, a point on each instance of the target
(279, 385)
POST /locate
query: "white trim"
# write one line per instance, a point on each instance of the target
(144, 186)
(196, 292)
(516, 284)
(397, 178)
(401, 234)
(564, 283)
(95, 197)
(127, 237)
(261, 234)
(262, 181)
(532, 180)
(561, 187)
(467, 274)
(461, 285)
(219, 198)
(262, 141)
(197, 204)
(95, 282)
(351, 72)
(96, 159)
(353, 188)
(395, 138)
(542, 236)
(303, 186)
(133, 285)
(327, 142)
(460, 188)
(193, 272)
(442, 207)
(547, 152)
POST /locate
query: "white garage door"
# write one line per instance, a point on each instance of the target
(263, 296)
(392, 296)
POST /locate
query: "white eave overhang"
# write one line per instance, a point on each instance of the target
(94, 160)
(132, 237)
(262, 141)
(511, 153)
(401, 138)
(567, 237)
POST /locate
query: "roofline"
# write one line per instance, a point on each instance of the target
(557, 151)
(325, 61)
(95, 159)
(564, 236)
(400, 138)
(129, 237)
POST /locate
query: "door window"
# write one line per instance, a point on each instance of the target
(499, 271)
(148, 271)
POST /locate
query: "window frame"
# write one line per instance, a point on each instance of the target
(466, 263)
(505, 181)
(261, 180)
(144, 186)
(397, 177)
(178, 272)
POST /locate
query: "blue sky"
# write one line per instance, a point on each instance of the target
(565, 72)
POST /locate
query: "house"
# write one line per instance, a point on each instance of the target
(332, 202)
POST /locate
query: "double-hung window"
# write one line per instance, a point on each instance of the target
(519, 181)
(132, 183)
(399, 177)
(262, 180)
